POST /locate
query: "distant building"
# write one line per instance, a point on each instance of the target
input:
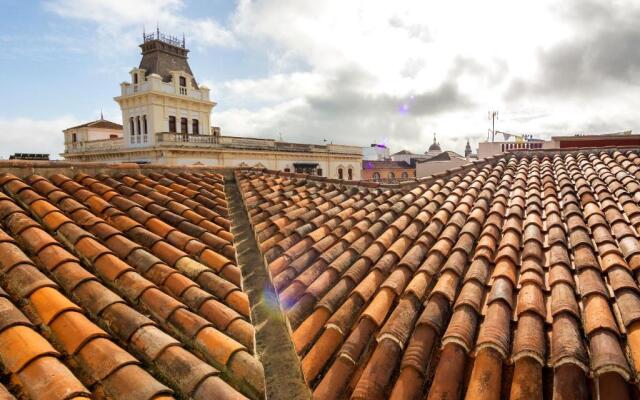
(94, 132)
(413, 158)
(439, 163)
(376, 152)
(30, 156)
(166, 116)
(467, 150)
(488, 149)
(387, 171)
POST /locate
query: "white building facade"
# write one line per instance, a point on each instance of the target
(166, 118)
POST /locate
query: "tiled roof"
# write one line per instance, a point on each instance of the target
(122, 286)
(516, 277)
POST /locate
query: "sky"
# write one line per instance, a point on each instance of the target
(346, 72)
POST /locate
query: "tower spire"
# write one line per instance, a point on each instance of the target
(101, 116)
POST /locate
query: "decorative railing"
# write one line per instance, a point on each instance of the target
(234, 142)
(95, 145)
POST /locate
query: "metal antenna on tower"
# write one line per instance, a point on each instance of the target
(493, 115)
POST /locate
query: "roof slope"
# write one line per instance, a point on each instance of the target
(99, 123)
(474, 283)
(122, 286)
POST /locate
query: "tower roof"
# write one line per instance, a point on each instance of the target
(162, 54)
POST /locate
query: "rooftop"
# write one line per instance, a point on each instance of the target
(99, 123)
(513, 275)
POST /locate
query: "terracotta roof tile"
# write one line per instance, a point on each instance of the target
(553, 235)
(82, 313)
(522, 267)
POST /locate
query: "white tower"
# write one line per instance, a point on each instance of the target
(163, 97)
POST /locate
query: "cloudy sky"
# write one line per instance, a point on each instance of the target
(349, 72)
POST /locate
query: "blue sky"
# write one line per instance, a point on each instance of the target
(353, 72)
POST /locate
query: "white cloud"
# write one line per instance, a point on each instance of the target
(25, 135)
(345, 70)
(120, 22)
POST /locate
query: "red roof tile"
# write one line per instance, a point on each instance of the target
(472, 284)
(78, 256)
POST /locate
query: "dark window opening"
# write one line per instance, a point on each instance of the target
(287, 170)
(195, 127)
(144, 124)
(183, 81)
(135, 78)
(131, 127)
(138, 125)
(112, 136)
(184, 125)
(172, 123)
(350, 174)
(319, 171)
(74, 137)
(340, 173)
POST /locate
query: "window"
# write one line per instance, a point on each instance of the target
(112, 136)
(135, 78)
(340, 173)
(392, 175)
(319, 171)
(144, 124)
(183, 81)
(184, 126)
(350, 174)
(172, 123)
(376, 176)
(195, 128)
(74, 137)
(287, 170)
(405, 175)
(138, 125)
(132, 128)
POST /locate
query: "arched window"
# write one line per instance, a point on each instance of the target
(132, 128)
(340, 173)
(74, 137)
(392, 175)
(405, 174)
(135, 78)
(376, 176)
(172, 123)
(350, 174)
(195, 127)
(144, 124)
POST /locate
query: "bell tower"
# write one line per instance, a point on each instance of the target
(163, 96)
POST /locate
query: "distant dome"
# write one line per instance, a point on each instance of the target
(434, 148)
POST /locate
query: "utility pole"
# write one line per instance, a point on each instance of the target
(493, 115)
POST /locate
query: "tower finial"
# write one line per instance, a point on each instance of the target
(434, 138)
(101, 116)
(158, 30)
(183, 42)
